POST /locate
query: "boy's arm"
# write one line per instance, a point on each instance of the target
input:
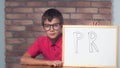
(27, 59)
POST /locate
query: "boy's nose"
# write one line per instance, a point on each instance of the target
(51, 28)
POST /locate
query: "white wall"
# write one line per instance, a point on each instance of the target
(116, 20)
(2, 42)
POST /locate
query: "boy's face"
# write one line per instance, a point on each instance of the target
(52, 28)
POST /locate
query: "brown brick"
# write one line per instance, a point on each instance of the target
(81, 16)
(77, 22)
(38, 34)
(37, 21)
(105, 10)
(15, 16)
(8, 47)
(22, 22)
(8, 4)
(67, 10)
(66, 16)
(34, 16)
(102, 16)
(13, 65)
(40, 10)
(55, 3)
(36, 3)
(30, 40)
(80, 4)
(105, 22)
(23, 10)
(34, 28)
(21, 47)
(15, 40)
(85, 22)
(15, 28)
(8, 22)
(8, 34)
(101, 4)
(87, 10)
(14, 53)
(8, 9)
(10, 59)
(23, 34)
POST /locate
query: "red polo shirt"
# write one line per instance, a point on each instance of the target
(43, 45)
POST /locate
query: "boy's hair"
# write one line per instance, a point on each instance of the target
(50, 14)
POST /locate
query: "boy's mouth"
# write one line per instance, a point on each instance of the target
(52, 34)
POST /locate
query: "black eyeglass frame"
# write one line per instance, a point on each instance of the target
(47, 27)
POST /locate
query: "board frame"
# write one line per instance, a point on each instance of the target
(84, 26)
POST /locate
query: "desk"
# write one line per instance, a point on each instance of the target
(38, 66)
(35, 66)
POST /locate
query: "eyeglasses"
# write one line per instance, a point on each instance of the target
(54, 26)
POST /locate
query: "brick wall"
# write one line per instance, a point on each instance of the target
(23, 21)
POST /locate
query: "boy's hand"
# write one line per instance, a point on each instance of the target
(94, 23)
(55, 63)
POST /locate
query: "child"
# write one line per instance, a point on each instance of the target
(49, 46)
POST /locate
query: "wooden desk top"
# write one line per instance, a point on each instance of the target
(35, 66)
(39, 66)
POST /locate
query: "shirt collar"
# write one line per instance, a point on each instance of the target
(54, 43)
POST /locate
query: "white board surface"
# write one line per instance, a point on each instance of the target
(90, 46)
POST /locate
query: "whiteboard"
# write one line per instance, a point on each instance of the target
(90, 46)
